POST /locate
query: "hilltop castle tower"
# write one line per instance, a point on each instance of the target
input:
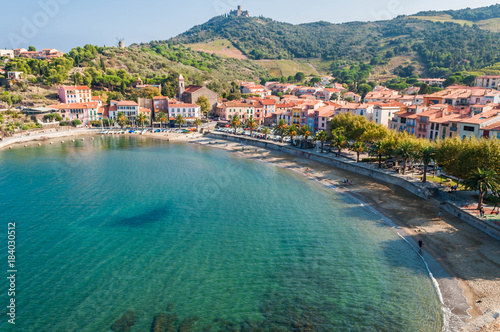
(182, 86)
(239, 12)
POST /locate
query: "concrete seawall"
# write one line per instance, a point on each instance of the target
(47, 135)
(414, 186)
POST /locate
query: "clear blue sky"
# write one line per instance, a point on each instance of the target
(64, 24)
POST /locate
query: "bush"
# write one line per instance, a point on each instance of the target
(64, 123)
(76, 123)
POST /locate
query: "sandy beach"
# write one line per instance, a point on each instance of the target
(469, 258)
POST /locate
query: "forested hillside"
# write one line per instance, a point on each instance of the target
(441, 48)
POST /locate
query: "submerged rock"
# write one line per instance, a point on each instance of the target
(164, 323)
(125, 323)
(187, 324)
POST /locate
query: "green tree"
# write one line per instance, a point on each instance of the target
(292, 131)
(378, 149)
(300, 76)
(141, 118)
(427, 154)
(266, 132)
(197, 123)
(306, 132)
(122, 119)
(161, 118)
(204, 104)
(322, 136)
(180, 120)
(251, 124)
(358, 147)
(405, 151)
(281, 129)
(31, 49)
(483, 180)
(235, 123)
(339, 140)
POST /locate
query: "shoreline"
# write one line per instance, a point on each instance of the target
(473, 275)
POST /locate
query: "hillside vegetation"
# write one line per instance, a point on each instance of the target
(440, 48)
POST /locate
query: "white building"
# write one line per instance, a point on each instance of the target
(488, 81)
(7, 53)
(188, 111)
(383, 113)
(128, 107)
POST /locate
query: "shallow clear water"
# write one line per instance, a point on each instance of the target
(213, 241)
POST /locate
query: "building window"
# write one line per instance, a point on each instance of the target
(468, 128)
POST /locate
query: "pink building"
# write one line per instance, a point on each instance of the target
(75, 94)
(85, 112)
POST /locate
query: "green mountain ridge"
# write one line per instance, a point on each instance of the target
(439, 48)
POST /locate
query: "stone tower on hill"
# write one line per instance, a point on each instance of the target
(239, 13)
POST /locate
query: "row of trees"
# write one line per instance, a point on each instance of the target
(475, 161)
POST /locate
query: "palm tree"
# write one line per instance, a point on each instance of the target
(483, 180)
(180, 120)
(197, 123)
(405, 152)
(292, 131)
(427, 154)
(306, 131)
(251, 124)
(378, 149)
(161, 117)
(235, 123)
(141, 118)
(266, 131)
(122, 119)
(281, 129)
(339, 140)
(358, 147)
(322, 136)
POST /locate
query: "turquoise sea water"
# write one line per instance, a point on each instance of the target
(201, 239)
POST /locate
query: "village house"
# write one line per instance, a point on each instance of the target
(45, 54)
(384, 112)
(84, 112)
(255, 89)
(463, 96)
(15, 75)
(189, 111)
(381, 95)
(353, 96)
(490, 131)
(7, 53)
(365, 110)
(244, 110)
(129, 108)
(19, 51)
(75, 94)
(432, 81)
(471, 126)
(322, 118)
(192, 93)
(160, 104)
(487, 82)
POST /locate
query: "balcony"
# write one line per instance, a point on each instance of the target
(453, 128)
